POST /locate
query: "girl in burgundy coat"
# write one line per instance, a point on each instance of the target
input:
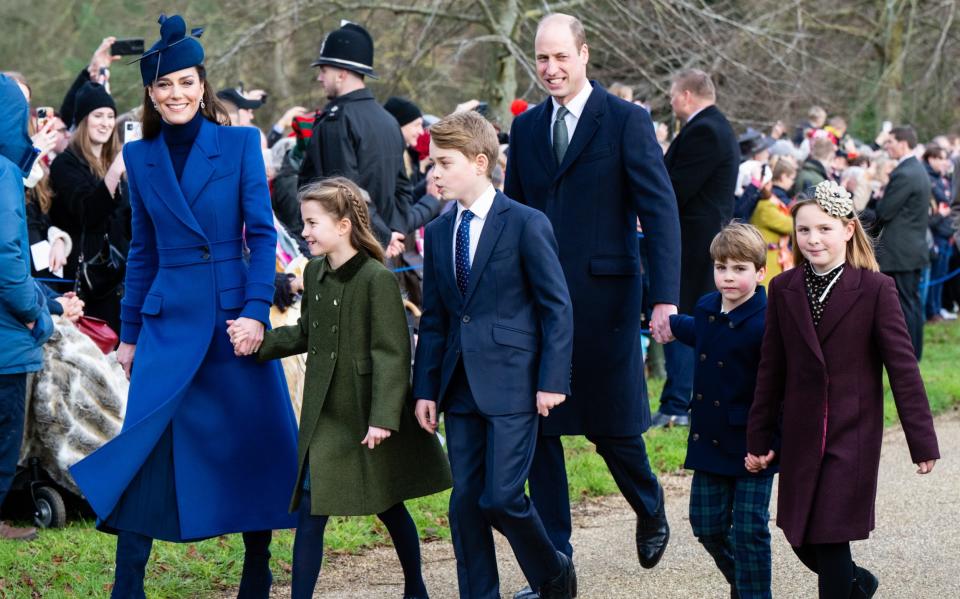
(833, 324)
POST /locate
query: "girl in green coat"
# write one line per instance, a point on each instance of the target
(360, 450)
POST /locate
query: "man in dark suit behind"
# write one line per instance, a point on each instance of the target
(703, 161)
(902, 220)
(591, 162)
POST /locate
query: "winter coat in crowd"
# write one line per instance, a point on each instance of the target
(773, 219)
(811, 173)
(903, 217)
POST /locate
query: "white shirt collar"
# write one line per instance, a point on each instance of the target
(575, 106)
(481, 207)
(905, 157)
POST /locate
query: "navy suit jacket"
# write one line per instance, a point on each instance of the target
(612, 173)
(513, 328)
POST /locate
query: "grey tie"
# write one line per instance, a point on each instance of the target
(560, 137)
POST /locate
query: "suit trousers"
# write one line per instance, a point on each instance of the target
(490, 459)
(13, 401)
(908, 288)
(626, 457)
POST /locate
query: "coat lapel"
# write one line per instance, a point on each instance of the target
(541, 137)
(200, 166)
(447, 283)
(587, 126)
(165, 185)
(488, 240)
(799, 307)
(845, 294)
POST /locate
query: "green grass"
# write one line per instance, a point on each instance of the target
(78, 561)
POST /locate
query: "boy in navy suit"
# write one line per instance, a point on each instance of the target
(729, 507)
(496, 340)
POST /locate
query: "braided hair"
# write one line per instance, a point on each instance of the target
(341, 198)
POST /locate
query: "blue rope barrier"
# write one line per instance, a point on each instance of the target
(942, 279)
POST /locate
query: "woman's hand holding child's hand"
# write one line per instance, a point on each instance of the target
(375, 436)
(246, 335)
(925, 467)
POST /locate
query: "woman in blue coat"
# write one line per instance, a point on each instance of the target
(208, 444)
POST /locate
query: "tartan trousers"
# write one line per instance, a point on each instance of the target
(729, 516)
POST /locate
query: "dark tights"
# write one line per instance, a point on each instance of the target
(833, 566)
(308, 549)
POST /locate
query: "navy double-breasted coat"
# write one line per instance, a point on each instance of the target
(612, 172)
(233, 429)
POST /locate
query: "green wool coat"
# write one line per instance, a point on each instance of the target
(354, 331)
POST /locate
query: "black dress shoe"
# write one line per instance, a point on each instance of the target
(526, 593)
(865, 584)
(564, 585)
(653, 533)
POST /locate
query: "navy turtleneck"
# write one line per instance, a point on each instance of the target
(179, 140)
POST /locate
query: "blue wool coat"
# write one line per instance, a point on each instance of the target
(728, 355)
(234, 433)
(611, 173)
(21, 301)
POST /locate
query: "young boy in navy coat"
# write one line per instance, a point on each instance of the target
(496, 340)
(729, 507)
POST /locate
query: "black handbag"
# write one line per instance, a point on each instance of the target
(101, 275)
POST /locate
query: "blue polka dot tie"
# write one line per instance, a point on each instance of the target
(463, 251)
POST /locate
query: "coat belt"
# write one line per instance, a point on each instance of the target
(217, 251)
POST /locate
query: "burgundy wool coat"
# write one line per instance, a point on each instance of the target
(826, 383)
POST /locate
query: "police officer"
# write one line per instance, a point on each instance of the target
(353, 136)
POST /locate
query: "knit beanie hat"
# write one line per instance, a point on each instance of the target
(403, 110)
(90, 97)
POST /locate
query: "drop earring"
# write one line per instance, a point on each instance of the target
(202, 105)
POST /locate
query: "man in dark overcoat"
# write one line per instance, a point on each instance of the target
(591, 162)
(354, 137)
(703, 163)
(902, 221)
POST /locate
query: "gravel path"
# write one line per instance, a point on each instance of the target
(915, 550)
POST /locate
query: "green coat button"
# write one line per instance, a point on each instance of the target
(333, 329)
(316, 323)
(336, 302)
(313, 351)
(333, 355)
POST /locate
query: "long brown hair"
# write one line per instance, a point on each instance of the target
(859, 247)
(212, 110)
(81, 145)
(341, 198)
(41, 193)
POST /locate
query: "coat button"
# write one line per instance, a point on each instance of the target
(696, 437)
(703, 357)
(715, 443)
(731, 325)
(333, 355)
(333, 329)
(711, 318)
(699, 396)
(720, 364)
(313, 351)
(716, 404)
(316, 323)
(336, 302)
(206, 253)
(466, 319)
(317, 297)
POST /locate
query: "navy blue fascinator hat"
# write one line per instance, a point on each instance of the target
(175, 50)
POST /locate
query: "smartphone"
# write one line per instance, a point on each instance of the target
(44, 114)
(132, 131)
(128, 47)
(887, 126)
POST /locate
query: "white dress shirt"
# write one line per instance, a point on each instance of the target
(480, 208)
(575, 109)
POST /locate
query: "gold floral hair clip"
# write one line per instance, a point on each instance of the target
(834, 199)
